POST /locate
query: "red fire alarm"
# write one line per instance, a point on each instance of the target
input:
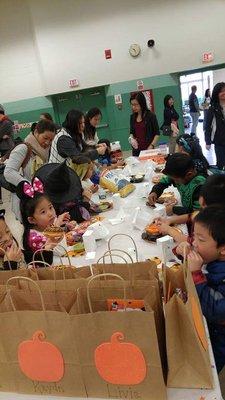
(108, 54)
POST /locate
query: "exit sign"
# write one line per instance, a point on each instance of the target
(207, 57)
(73, 83)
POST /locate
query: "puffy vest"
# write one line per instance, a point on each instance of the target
(54, 155)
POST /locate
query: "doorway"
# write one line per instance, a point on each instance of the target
(202, 80)
(83, 100)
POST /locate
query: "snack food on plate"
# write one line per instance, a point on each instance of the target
(151, 233)
(166, 197)
(137, 178)
(54, 232)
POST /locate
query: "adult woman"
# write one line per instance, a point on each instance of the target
(205, 106)
(170, 125)
(92, 119)
(25, 159)
(215, 124)
(144, 128)
(69, 144)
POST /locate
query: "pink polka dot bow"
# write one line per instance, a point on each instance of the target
(30, 190)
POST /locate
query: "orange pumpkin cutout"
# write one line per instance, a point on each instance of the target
(40, 360)
(198, 323)
(120, 363)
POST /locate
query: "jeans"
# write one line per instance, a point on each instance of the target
(220, 156)
(195, 117)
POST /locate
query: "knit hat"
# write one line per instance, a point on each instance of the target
(2, 110)
(60, 182)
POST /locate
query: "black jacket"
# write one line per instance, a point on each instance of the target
(170, 115)
(151, 123)
(219, 136)
(82, 154)
(6, 128)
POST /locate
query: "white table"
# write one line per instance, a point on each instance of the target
(145, 250)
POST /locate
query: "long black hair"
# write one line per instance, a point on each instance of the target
(27, 209)
(140, 97)
(207, 93)
(71, 124)
(166, 99)
(90, 130)
(44, 125)
(215, 102)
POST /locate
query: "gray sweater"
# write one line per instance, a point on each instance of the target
(13, 172)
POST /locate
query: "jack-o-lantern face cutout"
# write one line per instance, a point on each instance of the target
(120, 363)
(40, 360)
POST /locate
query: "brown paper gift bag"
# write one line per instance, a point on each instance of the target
(145, 270)
(39, 353)
(120, 356)
(26, 295)
(59, 273)
(5, 275)
(186, 342)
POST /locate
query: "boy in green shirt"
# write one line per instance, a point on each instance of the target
(181, 173)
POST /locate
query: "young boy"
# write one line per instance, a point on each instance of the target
(181, 173)
(209, 250)
(212, 192)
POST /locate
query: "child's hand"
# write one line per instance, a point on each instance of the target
(160, 220)
(87, 193)
(51, 244)
(101, 149)
(120, 163)
(13, 253)
(94, 188)
(152, 197)
(183, 248)
(169, 209)
(71, 225)
(62, 219)
(195, 261)
(163, 228)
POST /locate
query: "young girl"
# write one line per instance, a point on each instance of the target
(38, 214)
(106, 160)
(190, 145)
(10, 253)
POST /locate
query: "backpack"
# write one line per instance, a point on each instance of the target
(3, 182)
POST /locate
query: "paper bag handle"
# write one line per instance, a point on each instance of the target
(109, 252)
(185, 262)
(53, 251)
(100, 276)
(128, 236)
(33, 267)
(23, 278)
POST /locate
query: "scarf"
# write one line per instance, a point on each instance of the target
(36, 148)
